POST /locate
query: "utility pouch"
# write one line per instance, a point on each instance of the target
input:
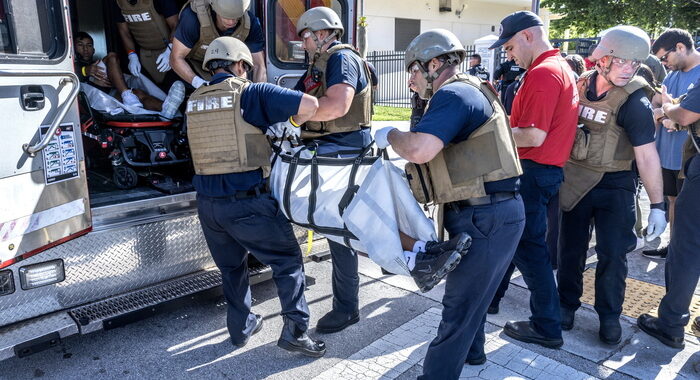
(580, 149)
(419, 182)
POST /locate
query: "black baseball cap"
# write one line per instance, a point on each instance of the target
(515, 22)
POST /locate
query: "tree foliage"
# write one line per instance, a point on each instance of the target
(587, 18)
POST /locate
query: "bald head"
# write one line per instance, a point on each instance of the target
(526, 45)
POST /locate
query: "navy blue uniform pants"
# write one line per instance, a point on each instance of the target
(469, 288)
(232, 228)
(683, 260)
(613, 216)
(538, 185)
(345, 280)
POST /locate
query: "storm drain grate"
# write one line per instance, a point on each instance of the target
(640, 297)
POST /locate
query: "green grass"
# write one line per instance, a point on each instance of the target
(383, 113)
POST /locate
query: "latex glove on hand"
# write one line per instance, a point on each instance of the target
(163, 60)
(283, 129)
(381, 137)
(197, 82)
(656, 224)
(134, 64)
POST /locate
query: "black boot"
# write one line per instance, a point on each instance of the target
(524, 332)
(610, 331)
(256, 329)
(336, 321)
(659, 253)
(431, 268)
(567, 318)
(649, 325)
(295, 340)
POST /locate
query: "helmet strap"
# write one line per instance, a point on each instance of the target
(451, 60)
(604, 71)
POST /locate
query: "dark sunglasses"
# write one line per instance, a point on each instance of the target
(665, 56)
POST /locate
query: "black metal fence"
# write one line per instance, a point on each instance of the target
(393, 79)
(393, 89)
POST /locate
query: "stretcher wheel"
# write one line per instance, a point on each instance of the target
(125, 177)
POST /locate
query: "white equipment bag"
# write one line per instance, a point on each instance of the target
(361, 202)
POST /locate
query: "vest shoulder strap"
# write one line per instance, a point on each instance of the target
(201, 9)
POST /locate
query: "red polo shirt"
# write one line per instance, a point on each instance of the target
(548, 100)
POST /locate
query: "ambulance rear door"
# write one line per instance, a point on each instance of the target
(42, 168)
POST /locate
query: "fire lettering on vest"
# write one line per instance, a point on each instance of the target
(138, 17)
(209, 103)
(589, 113)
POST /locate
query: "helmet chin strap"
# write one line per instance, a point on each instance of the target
(604, 71)
(430, 78)
(320, 44)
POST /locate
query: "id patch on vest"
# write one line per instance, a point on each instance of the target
(310, 84)
(592, 114)
(139, 17)
(209, 103)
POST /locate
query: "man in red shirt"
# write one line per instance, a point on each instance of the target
(544, 119)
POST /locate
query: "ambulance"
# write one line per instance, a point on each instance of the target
(77, 253)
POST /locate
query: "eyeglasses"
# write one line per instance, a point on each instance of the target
(665, 56)
(414, 68)
(621, 62)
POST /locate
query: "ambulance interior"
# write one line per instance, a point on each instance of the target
(110, 140)
(284, 68)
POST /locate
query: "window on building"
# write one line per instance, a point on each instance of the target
(287, 45)
(405, 30)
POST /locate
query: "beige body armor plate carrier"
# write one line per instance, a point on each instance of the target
(208, 33)
(601, 146)
(360, 113)
(460, 170)
(220, 140)
(146, 25)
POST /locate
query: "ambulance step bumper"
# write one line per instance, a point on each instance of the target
(91, 317)
(28, 337)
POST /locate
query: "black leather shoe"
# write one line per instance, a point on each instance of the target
(335, 321)
(610, 331)
(258, 327)
(460, 243)
(659, 253)
(649, 325)
(523, 331)
(492, 309)
(295, 340)
(479, 360)
(567, 318)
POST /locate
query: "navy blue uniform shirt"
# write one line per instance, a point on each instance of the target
(165, 8)
(636, 118)
(455, 112)
(344, 67)
(262, 104)
(188, 30)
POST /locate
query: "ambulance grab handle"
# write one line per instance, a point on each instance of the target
(68, 77)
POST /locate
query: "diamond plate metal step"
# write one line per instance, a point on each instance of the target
(90, 317)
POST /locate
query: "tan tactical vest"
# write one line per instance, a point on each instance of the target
(146, 25)
(460, 170)
(220, 140)
(601, 146)
(360, 113)
(208, 33)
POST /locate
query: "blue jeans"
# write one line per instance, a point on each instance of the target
(538, 185)
(232, 228)
(495, 230)
(683, 261)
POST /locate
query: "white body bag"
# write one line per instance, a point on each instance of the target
(361, 202)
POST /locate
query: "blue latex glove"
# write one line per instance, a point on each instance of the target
(656, 224)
